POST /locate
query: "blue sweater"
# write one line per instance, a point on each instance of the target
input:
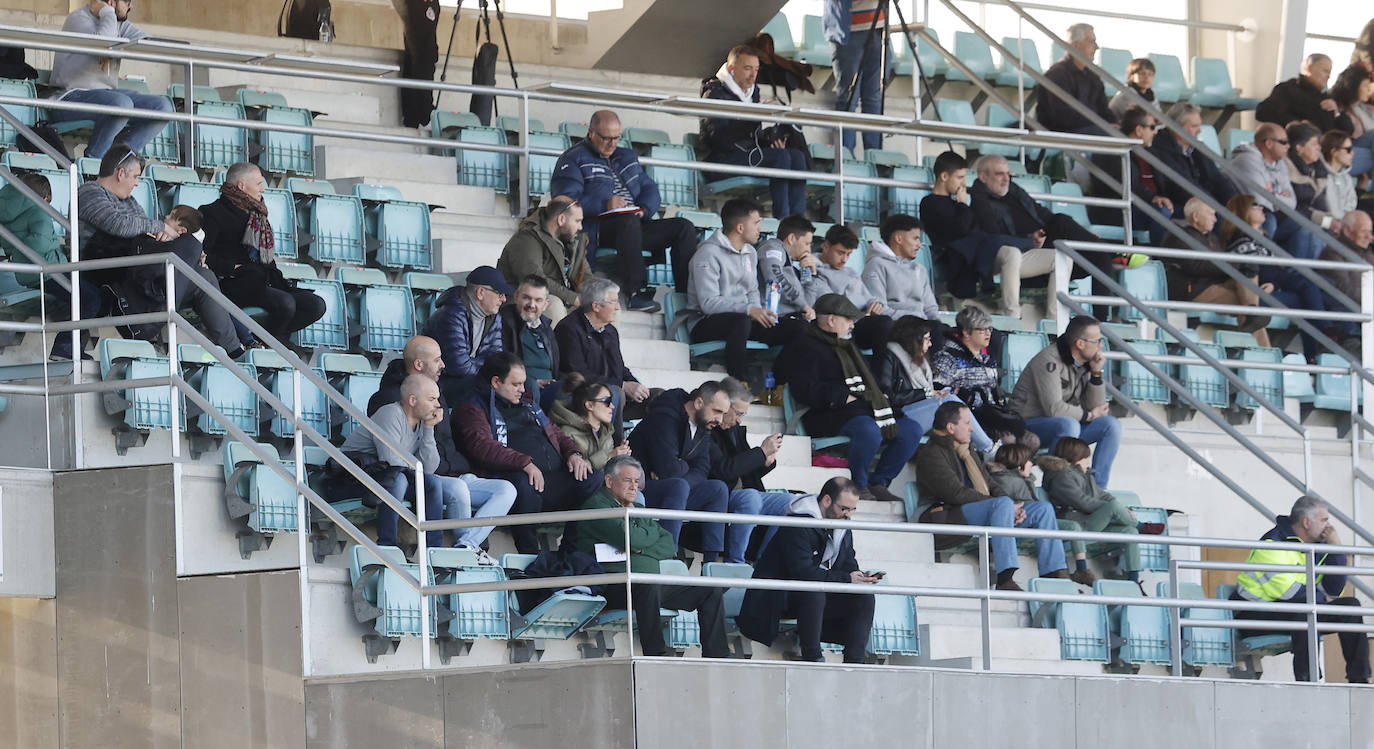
(585, 175)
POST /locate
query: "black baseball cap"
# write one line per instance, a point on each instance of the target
(485, 275)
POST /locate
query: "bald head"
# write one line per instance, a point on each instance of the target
(1272, 141)
(420, 397)
(1358, 228)
(603, 130)
(422, 356)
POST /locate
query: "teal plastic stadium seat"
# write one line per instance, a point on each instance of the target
(858, 257)
(145, 193)
(333, 222)
(560, 615)
(1082, 626)
(385, 313)
(895, 631)
(149, 407)
(882, 158)
(482, 615)
(955, 111)
(1208, 136)
(275, 374)
(1203, 646)
(1257, 646)
(542, 165)
(975, 53)
(573, 129)
(675, 302)
(683, 630)
(166, 145)
(397, 228)
(908, 199)
(1114, 61)
(648, 136)
(1170, 85)
(1297, 385)
(260, 99)
(781, 33)
(1145, 282)
(899, 52)
(281, 214)
(704, 221)
(226, 392)
(287, 152)
(22, 89)
(1036, 184)
(198, 93)
(1333, 391)
(1204, 382)
(444, 124)
(996, 115)
(483, 168)
(1267, 382)
(815, 49)
(793, 423)
(1144, 630)
(932, 63)
(1153, 557)
(733, 597)
(860, 200)
(273, 498)
(677, 186)
(1019, 349)
(1137, 382)
(1212, 86)
(1079, 212)
(425, 289)
(1008, 74)
(400, 603)
(331, 330)
(220, 145)
(511, 124)
(194, 194)
(1236, 136)
(352, 376)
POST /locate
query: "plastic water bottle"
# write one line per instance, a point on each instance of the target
(806, 274)
(774, 297)
(326, 26)
(769, 384)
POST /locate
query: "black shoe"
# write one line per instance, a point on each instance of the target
(643, 301)
(882, 494)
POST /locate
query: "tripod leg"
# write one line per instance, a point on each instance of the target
(505, 42)
(443, 75)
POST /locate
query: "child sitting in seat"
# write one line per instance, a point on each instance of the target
(1076, 497)
(1010, 472)
(188, 220)
(1140, 75)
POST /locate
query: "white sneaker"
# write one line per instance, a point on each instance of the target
(483, 558)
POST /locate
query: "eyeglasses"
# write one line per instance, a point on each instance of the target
(1283, 142)
(846, 509)
(131, 154)
(983, 329)
(605, 400)
(1099, 341)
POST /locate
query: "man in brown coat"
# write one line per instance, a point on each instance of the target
(550, 243)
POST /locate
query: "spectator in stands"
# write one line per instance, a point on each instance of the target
(824, 555)
(589, 344)
(825, 372)
(742, 468)
(588, 417)
(620, 204)
(963, 367)
(778, 258)
(240, 248)
(91, 79)
(112, 224)
(855, 30)
(1200, 280)
(1308, 175)
(528, 333)
(953, 478)
(1009, 475)
(1001, 206)
(510, 438)
(1305, 98)
(1364, 49)
(421, 356)
(902, 369)
(1061, 393)
(1140, 76)
(1265, 164)
(1078, 82)
(408, 424)
(420, 19)
(834, 277)
(749, 142)
(466, 325)
(550, 243)
(1309, 522)
(1353, 93)
(1341, 196)
(892, 273)
(969, 257)
(674, 442)
(1135, 123)
(723, 302)
(1077, 497)
(1357, 233)
(1195, 169)
(649, 544)
(34, 229)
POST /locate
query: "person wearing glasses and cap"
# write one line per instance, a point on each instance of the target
(1061, 393)
(466, 325)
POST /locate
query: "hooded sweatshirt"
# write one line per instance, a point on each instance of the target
(31, 226)
(810, 506)
(1274, 177)
(722, 279)
(72, 71)
(1340, 191)
(1071, 489)
(903, 286)
(845, 282)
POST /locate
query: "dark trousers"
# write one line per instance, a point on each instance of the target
(843, 618)
(631, 236)
(648, 599)
(561, 492)
(288, 310)
(421, 55)
(737, 329)
(61, 309)
(1354, 645)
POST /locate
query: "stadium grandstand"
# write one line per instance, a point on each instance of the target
(994, 371)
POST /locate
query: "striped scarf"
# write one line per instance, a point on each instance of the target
(858, 378)
(258, 234)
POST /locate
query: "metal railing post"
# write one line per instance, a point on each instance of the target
(188, 106)
(1314, 665)
(422, 557)
(629, 591)
(524, 135)
(174, 401)
(837, 207)
(985, 603)
(303, 530)
(74, 254)
(1175, 614)
(1126, 198)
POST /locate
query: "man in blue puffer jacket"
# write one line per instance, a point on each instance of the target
(466, 326)
(619, 203)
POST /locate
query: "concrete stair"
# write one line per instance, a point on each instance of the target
(341, 162)
(448, 194)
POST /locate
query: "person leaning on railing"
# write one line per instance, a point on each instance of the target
(1199, 280)
(1309, 522)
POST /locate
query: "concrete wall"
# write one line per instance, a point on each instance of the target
(26, 534)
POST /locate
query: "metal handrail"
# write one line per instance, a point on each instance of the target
(1185, 22)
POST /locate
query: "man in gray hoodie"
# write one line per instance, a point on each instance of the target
(791, 244)
(1264, 163)
(833, 276)
(95, 80)
(723, 301)
(892, 274)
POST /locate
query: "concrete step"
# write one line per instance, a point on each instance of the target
(880, 547)
(337, 102)
(475, 200)
(658, 354)
(376, 146)
(803, 478)
(462, 248)
(339, 162)
(966, 641)
(687, 379)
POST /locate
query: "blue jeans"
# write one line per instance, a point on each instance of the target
(1298, 241)
(106, 128)
(1362, 158)
(666, 494)
(864, 440)
(923, 413)
(1139, 220)
(1000, 512)
(1104, 431)
(789, 195)
(436, 490)
(1296, 291)
(868, 94)
(491, 498)
(752, 502)
(707, 496)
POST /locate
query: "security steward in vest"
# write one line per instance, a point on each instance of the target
(1309, 522)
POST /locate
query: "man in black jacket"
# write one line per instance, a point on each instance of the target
(1305, 98)
(1001, 206)
(825, 372)
(821, 555)
(742, 469)
(1080, 83)
(589, 344)
(528, 333)
(1135, 123)
(1201, 171)
(674, 441)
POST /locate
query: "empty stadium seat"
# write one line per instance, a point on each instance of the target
(292, 153)
(1019, 349)
(483, 168)
(398, 604)
(1236, 136)
(884, 158)
(860, 200)
(1267, 382)
(1333, 390)
(1035, 184)
(1153, 557)
(1170, 85)
(1082, 626)
(648, 136)
(1203, 646)
(542, 165)
(677, 186)
(1141, 632)
(1010, 75)
(1297, 385)
(683, 630)
(932, 63)
(1212, 86)
(792, 419)
(352, 376)
(331, 330)
(166, 145)
(143, 408)
(732, 598)
(1208, 136)
(954, 111)
(1145, 282)
(177, 92)
(398, 227)
(1137, 382)
(275, 374)
(220, 145)
(425, 289)
(480, 615)
(511, 123)
(1079, 212)
(1114, 61)
(815, 48)
(1204, 382)
(908, 199)
(444, 124)
(974, 52)
(558, 617)
(226, 392)
(269, 499)
(894, 631)
(22, 89)
(333, 222)
(384, 313)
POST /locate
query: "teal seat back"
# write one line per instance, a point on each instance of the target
(1170, 85)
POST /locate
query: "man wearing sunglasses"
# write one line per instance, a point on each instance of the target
(1265, 164)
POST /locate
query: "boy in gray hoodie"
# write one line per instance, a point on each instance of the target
(892, 274)
(723, 301)
(833, 276)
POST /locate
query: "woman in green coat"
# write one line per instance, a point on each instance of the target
(1010, 475)
(1077, 497)
(587, 418)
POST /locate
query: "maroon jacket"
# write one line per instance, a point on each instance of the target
(473, 433)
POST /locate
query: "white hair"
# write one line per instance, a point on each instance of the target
(1079, 31)
(1193, 206)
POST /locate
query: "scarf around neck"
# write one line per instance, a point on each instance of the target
(971, 466)
(858, 378)
(258, 235)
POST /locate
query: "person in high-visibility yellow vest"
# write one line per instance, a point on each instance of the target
(1308, 522)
